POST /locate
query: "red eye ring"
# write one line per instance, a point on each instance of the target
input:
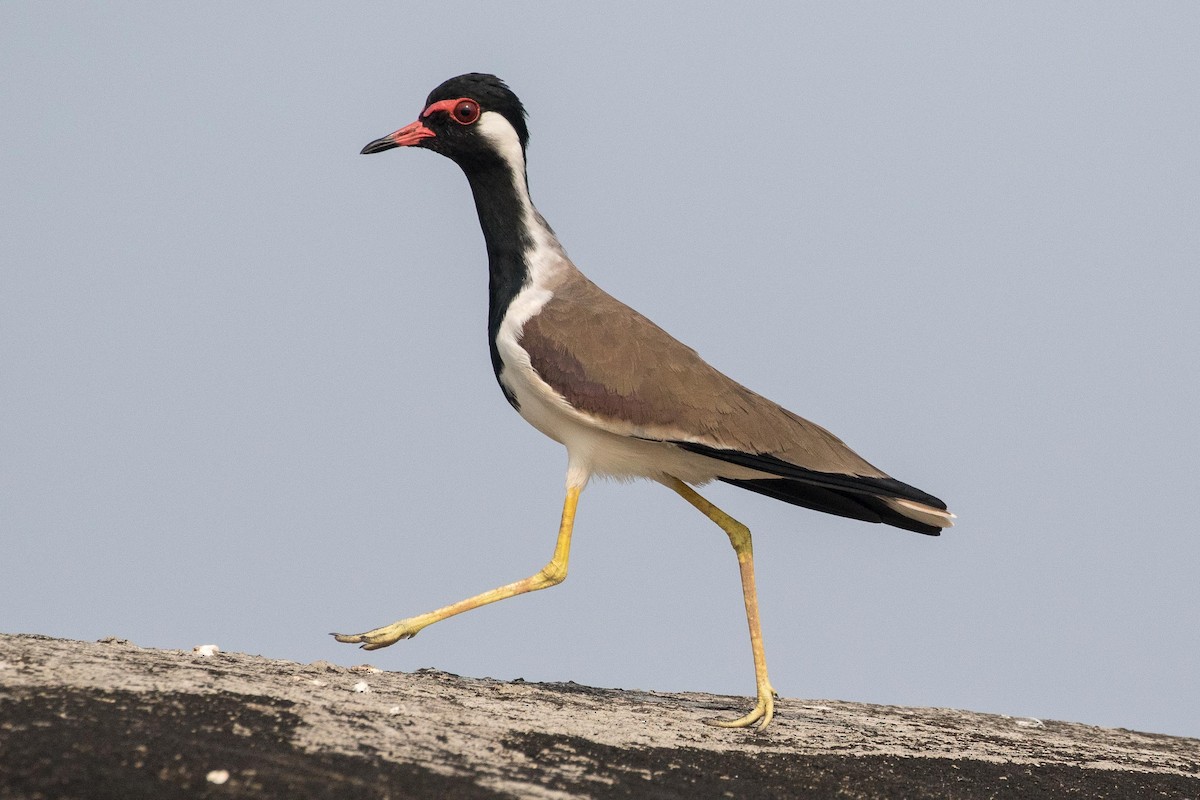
(465, 111)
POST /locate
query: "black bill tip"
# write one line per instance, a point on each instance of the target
(379, 145)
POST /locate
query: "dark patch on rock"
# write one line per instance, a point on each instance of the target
(695, 774)
(66, 743)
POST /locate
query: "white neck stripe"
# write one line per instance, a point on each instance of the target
(545, 253)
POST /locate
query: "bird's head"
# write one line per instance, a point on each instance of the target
(473, 119)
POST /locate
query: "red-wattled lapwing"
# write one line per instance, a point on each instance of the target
(625, 398)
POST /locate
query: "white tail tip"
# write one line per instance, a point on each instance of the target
(921, 512)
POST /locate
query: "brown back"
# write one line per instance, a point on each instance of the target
(613, 363)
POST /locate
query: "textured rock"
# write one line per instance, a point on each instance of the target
(111, 720)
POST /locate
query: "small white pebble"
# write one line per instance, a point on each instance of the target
(394, 710)
(361, 686)
(318, 682)
(1028, 722)
(206, 651)
(217, 776)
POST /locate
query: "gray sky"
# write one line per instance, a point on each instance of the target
(244, 378)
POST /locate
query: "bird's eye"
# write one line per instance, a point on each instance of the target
(465, 112)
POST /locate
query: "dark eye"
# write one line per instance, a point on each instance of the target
(465, 112)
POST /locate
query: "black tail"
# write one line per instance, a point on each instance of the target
(854, 496)
(868, 508)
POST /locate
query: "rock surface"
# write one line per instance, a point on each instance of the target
(112, 720)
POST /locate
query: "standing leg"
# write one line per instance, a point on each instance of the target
(550, 575)
(739, 537)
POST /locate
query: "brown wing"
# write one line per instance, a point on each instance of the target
(636, 379)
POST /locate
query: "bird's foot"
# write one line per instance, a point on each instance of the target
(760, 717)
(382, 637)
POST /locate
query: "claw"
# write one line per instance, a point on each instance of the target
(759, 717)
(382, 637)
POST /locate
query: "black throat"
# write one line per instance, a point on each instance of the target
(501, 210)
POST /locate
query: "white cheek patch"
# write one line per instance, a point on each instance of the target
(497, 130)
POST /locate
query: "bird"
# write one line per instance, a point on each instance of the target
(624, 397)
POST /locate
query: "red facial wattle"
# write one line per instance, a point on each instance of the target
(463, 110)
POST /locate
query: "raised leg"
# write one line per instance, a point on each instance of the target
(550, 575)
(739, 537)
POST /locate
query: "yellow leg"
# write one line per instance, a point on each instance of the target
(550, 575)
(739, 537)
